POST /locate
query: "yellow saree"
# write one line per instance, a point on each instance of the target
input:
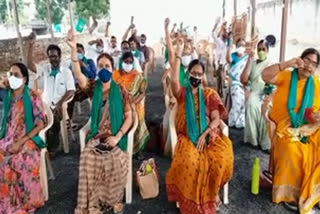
(295, 165)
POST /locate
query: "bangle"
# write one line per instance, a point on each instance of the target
(279, 66)
(74, 60)
(29, 137)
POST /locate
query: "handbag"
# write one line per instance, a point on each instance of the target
(148, 179)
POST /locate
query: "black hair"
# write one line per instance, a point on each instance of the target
(194, 63)
(264, 42)
(54, 47)
(309, 51)
(127, 55)
(80, 46)
(113, 37)
(132, 39)
(271, 40)
(239, 40)
(143, 35)
(23, 70)
(106, 55)
(125, 42)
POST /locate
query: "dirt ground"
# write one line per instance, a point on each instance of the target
(63, 189)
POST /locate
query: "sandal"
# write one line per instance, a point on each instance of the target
(291, 206)
(218, 203)
(118, 208)
(265, 180)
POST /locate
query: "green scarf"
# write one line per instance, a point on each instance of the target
(137, 54)
(28, 115)
(297, 119)
(115, 109)
(54, 72)
(191, 117)
(166, 56)
(183, 77)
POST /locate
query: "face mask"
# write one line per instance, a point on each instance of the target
(186, 60)
(80, 56)
(195, 82)
(240, 50)
(104, 75)
(125, 50)
(142, 44)
(99, 49)
(262, 55)
(15, 82)
(127, 67)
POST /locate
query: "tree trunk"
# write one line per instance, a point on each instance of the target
(16, 18)
(49, 18)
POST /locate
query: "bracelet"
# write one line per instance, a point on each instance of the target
(29, 137)
(279, 66)
(74, 60)
(121, 132)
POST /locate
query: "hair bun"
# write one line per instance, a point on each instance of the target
(271, 40)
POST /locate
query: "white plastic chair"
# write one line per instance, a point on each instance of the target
(173, 138)
(44, 156)
(83, 133)
(64, 126)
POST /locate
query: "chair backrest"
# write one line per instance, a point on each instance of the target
(49, 116)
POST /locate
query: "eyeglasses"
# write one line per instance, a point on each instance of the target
(310, 62)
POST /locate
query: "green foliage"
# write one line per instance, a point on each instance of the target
(4, 16)
(88, 8)
(57, 10)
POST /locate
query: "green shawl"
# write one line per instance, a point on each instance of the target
(28, 115)
(191, 117)
(115, 109)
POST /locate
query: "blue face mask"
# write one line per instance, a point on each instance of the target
(104, 75)
(80, 56)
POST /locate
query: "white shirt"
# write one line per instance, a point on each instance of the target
(221, 49)
(136, 64)
(54, 88)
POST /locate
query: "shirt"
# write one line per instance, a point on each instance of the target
(221, 49)
(89, 71)
(55, 87)
(136, 64)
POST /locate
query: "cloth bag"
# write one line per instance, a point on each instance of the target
(148, 180)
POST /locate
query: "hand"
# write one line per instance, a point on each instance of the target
(32, 38)
(166, 23)
(108, 24)
(15, 147)
(295, 62)
(250, 52)
(315, 117)
(112, 141)
(201, 142)
(71, 40)
(4, 83)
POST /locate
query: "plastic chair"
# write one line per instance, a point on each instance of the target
(83, 133)
(173, 138)
(44, 156)
(64, 126)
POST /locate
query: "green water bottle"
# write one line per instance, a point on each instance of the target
(255, 176)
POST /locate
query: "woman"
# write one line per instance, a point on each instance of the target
(295, 111)
(237, 61)
(255, 129)
(203, 159)
(104, 162)
(22, 120)
(136, 86)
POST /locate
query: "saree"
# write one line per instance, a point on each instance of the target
(255, 128)
(295, 165)
(237, 112)
(102, 174)
(134, 83)
(194, 177)
(20, 188)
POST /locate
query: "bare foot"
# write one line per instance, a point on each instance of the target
(118, 208)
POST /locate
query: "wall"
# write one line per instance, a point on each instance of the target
(10, 52)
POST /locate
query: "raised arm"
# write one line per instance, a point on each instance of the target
(30, 64)
(173, 28)
(244, 78)
(269, 74)
(94, 25)
(214, 29)
(76, 69)
(107, 31)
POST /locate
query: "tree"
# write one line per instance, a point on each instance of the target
(97, 8)
(57, 10)
(4, 16)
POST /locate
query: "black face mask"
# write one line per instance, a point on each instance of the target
(195, 82)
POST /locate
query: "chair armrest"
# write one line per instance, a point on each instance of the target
(132, 132)
(83, 133)
(49, 115)
(172, 128)
(224, 128)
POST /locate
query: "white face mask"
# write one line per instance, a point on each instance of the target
(186, 59)
(99, 49)
(127, 67)
(15, 82)
(142, 44)
(240, 50)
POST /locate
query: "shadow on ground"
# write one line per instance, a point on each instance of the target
(63, 190)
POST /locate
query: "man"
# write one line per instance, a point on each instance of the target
(143, 48)
(58, 87)
(134, 45)
(96, 47)
(88, 68)
(111, 44)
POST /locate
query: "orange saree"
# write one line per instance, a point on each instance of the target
(295, 165)
(134, 83)
(194, 178)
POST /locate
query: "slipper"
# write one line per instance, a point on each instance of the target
(290, 206)
(117, 206)
(265, 180)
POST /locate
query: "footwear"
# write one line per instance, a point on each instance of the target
(118, 208)
(291, 206)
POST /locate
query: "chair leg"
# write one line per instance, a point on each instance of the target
(73, 138)
(49, 166)
(43, 174)
(79, 107)
(64, 133)
(129, 183)
(226, 193)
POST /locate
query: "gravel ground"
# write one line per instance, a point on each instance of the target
(63, 190)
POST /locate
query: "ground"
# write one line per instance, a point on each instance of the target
(63, 189)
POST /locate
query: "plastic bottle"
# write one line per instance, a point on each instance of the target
(255, 176)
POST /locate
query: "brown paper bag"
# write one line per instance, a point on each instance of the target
(148, 183)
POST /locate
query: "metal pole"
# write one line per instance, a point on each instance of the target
(16, 19)
(253, 18)
(50, 18)
(70, 13)
(235, 7)
(284, 30)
